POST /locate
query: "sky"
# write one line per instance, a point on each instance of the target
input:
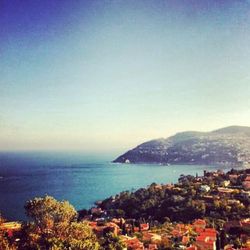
(109, 75)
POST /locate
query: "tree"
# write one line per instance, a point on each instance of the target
(80, 236)
(49, 214)
(54, 226)
(112, 242)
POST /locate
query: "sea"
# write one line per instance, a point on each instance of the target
(77, 177)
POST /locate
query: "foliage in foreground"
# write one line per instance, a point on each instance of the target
(54, 226)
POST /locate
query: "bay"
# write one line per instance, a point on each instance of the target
(74, 176)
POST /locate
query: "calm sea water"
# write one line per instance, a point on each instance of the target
(75, 177)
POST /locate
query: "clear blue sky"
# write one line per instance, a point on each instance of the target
(108, 75)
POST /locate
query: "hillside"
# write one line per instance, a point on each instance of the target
(227, 146)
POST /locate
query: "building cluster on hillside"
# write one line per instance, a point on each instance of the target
(195, 236)
(217, 190)
(188, 236)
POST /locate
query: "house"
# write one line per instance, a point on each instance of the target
(229, 247)
(99, 230)
(128, 227)
(226, 183)
(198, 230)
(92, 224)
(245, 239)
(220, 172)
(210, 198)
(144, 226)
(180, 230)
(199, 224)
(245, 194)
(211, 232)
(158, 186)
(114, 228)
(206, 240)
(233, 202)
(246, 224)
(132, 243)
(96, 211)
(223, 190)
(204, 188)
(205, 243)
(246, 183)
(13, 225)
(185, 240)
(169, 186)
(10, 227)
(119, 221)
(151, 237)
(176, 233)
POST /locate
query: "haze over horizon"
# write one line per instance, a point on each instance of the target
(108, 75)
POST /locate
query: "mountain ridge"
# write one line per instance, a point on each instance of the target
(225, 146)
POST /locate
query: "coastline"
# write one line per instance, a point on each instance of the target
(205, 206)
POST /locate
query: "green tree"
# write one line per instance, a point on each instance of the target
(54, 226)
(112, 242)
(80, 236)
(50, 214)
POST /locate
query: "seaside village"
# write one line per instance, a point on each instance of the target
(200, 234)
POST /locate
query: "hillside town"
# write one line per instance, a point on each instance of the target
(227, 146)
(206, 212)
(223, 202)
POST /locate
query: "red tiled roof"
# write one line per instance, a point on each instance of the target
(192, 248)
(92, 223)
(181, 225)
(204, 241)
(199, 222)
(211, 232)
(198, 230)
(185, 239)
(144, 226)
(112, 224)
(134, 243)
(201, 238)
(176, 232)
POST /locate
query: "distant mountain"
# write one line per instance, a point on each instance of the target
(226, 146)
